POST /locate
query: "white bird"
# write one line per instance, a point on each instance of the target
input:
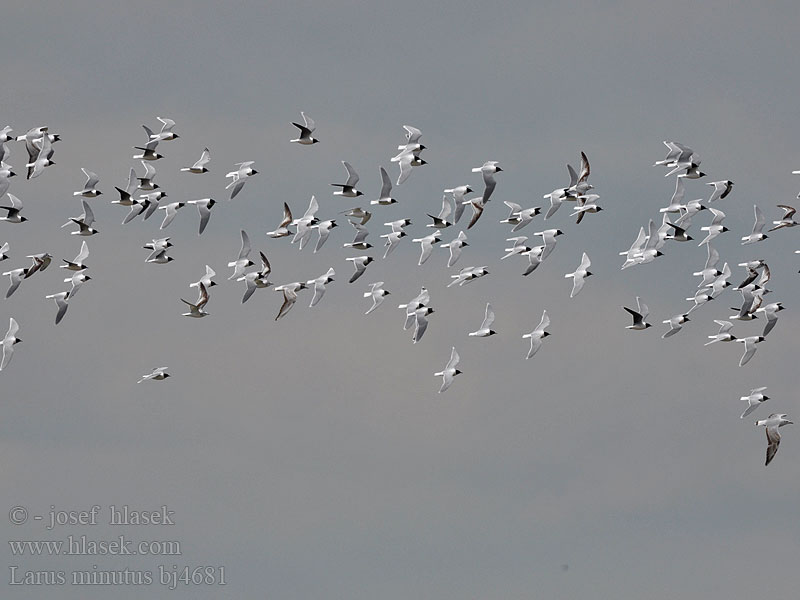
(76, 281)
(148, 151)
(90, 187)
(5, 177)
(537, 335)
(710, 271)
(61, 303)
(304, 137)
(426, 243)
(8, 342)
(721, 190)
(720, 282)
(534, 259)
(458, 199)
(639, 316)
(421, 322)
(166, 132)
(157, 374)
(359, 240)
(126, 195)
(392, 240)
(468, 274)
(323, 229)
(440, 221)
(4, 251)
(771, 312)
(449, 372)
(40, 262)
(206, 279)
(377, 293)
(518, 216)
(421, 300)
(675, 324)
(196, 310)
(160, 258)
(256, 279)
(349, 187)
(283, 228)
(675, 203)
(242, 261)
(385, 198)
(13, 215)
(84, 221)
(723, 335)
(772, 423)
(485, 330)
(477, 210)
(549, 238)
(146, 183)
(455, 247)
(398, 225)
(289, 297)
(305, 222)
(200, 165)
(579, 275)
(749, 347)
(240, 177)
(408, 159)
(716, 226)
(702, 296)
(754, 400)
(358, 213)
(319, 286)
(757, 235)
(170, 211)
(204, 206)
(43, 159)
(587, 203)
(488, 170)
(634, 253)
(360, 263)
(788, 218)
(15, 276)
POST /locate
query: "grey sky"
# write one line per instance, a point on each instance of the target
(312, 457)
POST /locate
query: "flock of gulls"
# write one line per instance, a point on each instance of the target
(142, 197)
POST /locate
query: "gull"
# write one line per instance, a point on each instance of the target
(487, 170)
(33, 143)
(455, 247)
(323, 229)
(319, 286)
(788, 218)
(586, 204)
(689, 210)
(440, 221)
(468, 274)
(421, 300)
(160, 258)
(137, 208)
(421, 322)
(358, 213)
(557, 198)
(749, 347)
(35, 167)
(485, 330)
(678, 235)
(771, 312)
(4, 134)
(359, 240)
(639, 316)
(304, 137)
(386, 190)
(377, 293)
(716, 226)
(157, 374)
(746, 310)
(675, 205)
(549, 238)
(242, 261)
(650, 251)
(283, 228)
(15, 276)
(458, 199)
(519, 246)
(477, 210)
(90, 187)
(4, 251)
(579, 275)
(84, 222)
(398, 225)
(721, 281)
(204, 206)
(709, 272)
(170, 210)
(76, 281)
(752, 275)
(5, 176)
(426, 243)
(196, 310)
(200, 165)
(772, 423)
(721, 190)
(407, 160)
(754, 400)
(61, 303)
(146, 181)
(8, 342)
(205, 279)
(765, 275)
(305, 222)
(537, 335)
(633, 254)
(166, 132)
(675, 324)
(349, 187)
(534, 259)
(449, 372)
(392, 240)
(581, 186)
(239, 177)
(756, 236)
(126, 195)
(685, 159)
(150, 202)
(40, 263)
(157, 246)
(360, 263)
(148, 151)
(723, 335)
(519, 217)
(256, 279)
(13, 215)
(289, 296)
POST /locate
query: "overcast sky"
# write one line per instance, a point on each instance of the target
(312, 457)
